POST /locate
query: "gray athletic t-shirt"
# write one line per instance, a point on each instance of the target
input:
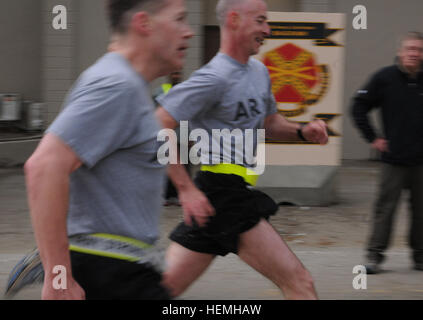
(108, 121)
(224, 94)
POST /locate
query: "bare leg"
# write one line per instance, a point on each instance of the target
(264, 250)
(184, 266)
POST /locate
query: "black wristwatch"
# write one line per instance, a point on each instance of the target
(300, 132)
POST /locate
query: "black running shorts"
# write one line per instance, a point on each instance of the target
(238, 208)
(104, 278)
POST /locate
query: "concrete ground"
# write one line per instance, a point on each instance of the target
(328, 240)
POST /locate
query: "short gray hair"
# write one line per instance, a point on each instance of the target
(121, 11)
(411, 35)
(224, 6)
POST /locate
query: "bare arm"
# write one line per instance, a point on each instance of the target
(277, 127)
(194, 203)
(47, 178)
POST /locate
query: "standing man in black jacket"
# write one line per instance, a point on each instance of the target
(398, 91)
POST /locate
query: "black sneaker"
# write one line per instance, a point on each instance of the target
(373, 268)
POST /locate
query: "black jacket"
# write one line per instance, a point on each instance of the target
(400, 98)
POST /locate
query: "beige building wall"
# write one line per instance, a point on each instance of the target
(92, 33)
(315, 5)
(367, 51)
(59, 56)
(371, 49)
(42, 63)
(67, 53)
(21, 47)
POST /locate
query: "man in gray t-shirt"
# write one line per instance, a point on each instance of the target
(233, 92)
(224, 94)
(94, 182)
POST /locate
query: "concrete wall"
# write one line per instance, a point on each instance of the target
(20, 51)
(59, 55)
(92, 33)
(316, 5)
(69, 52)
(42, 63)
(367, 51)
(21, 26)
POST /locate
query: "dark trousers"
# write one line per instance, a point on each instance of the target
(238, 209)
(393, 180)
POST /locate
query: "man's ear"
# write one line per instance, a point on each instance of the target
(141, 23)
(233, 20)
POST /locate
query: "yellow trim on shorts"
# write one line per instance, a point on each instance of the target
(132, 241)
(115, 255)
(103, 253)
(248, 175)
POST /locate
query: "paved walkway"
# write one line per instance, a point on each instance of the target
(329, 241)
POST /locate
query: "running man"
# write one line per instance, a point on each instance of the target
(94, 182)
(232, 91)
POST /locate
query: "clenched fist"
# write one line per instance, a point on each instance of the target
(316, 131)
